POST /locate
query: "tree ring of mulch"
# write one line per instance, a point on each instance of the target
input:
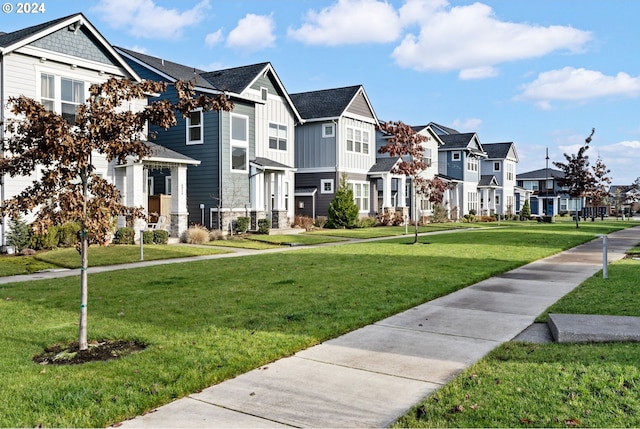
(101, 350)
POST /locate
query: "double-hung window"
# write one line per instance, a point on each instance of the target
(239, 142)
(361, 195)
(472, 164)
(277, 136)
(195, 127)
(62, 95)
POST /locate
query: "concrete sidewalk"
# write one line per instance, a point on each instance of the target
(372, 376)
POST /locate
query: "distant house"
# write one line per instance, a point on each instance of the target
(623, 199)
(247, 155)
(337, 137)
(498, 180)
(547, 198)
(55, 63)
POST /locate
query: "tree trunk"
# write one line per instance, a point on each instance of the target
(82, 334)
(84, 262)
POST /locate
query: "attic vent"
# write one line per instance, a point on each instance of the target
(264, 93)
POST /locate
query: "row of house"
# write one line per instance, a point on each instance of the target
(275, 155)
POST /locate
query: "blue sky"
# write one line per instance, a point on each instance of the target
(540, 73)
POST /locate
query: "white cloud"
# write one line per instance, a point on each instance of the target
(579, 84)
(472, 39)
(253, 33)
(469, 125)
(350, 22)
(213, 39)
(143, 18)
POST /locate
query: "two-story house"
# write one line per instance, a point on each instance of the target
(459, 161)
(55, 63)
(247, 154)
(337, 137)
(547, 197)
(498, 180)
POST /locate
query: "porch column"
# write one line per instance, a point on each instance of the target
(136, 191)
(402, 191)
(278, 191)
(179, 211)
(256, 185)
(386, 192)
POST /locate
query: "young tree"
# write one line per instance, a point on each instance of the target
(599, 192)
(343, 211)
(405, 143)
(525, 211)
(434, 189)
(578, 178)
(68, 188)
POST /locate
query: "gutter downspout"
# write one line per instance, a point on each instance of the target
(220, 164)
(3, 232)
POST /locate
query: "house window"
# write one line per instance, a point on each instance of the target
(550, 184)
(455, 156)
(357, 140)
(497, 200)
(239, 142)
(194, 127)
(72, 95)
(328, 130)
(47, 92)
(426, 205)
(264, 93)
(361, 195)
(496, 166)
(427, 156)
(530, 185)
(472, 201)
(326, 186)
(509, 171)
(277, 136)
(472, 164)
(167, 185)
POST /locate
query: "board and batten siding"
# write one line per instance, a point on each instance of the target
(352, 161)
(312, 150)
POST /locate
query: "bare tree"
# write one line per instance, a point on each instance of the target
(69, 188)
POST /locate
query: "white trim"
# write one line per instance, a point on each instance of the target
(286, 139)
(167, 184)
(188, 127)
(238, 143)
(327, 181)
(333, 130)
(454, 153)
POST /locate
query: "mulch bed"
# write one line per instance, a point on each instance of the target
(69, 354)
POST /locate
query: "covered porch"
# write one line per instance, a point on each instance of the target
(269, 192)
(389, 190)
(132, 180)
(488, 201)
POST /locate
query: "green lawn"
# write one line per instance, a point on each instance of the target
(98, 256)
(208, 321)
(551, 385)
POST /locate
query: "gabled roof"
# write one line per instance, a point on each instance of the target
(236, 79)
(163, 154)
(168, 69)
(441, 129)
(465, 141)
(488, 180)
(327, 104)
(17, 39)
(269, 164)
(430, 130)
(384, 164)
(500, 150)
(542, 174)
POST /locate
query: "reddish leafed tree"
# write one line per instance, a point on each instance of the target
(404, 142)
(67, 187)
(599, 192)
(578, 178)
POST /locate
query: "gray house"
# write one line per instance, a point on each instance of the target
(337, 137)
(500, 167)
(247, 161)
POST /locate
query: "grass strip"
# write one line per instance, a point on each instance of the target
(208, 321)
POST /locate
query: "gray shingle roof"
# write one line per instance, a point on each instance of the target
(235, 79)
(326, 103)
(541, 174)
(456, 141)
(488, 180)
(497, 150)
(384, 164)
(8, 39)
(270, 164)
(441, 129)
(171, 69)
(158, 151)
